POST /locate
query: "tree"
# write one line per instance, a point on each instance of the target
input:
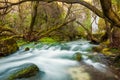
(107, 12)
(29, 36)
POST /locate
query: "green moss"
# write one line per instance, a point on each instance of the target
(106, 51)
(21, 42)
(101, 25)
(23, 71)
(47, 40)
(77, 56)
(27, 49)
(8, 46)
(115, 50)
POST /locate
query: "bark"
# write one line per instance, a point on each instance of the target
(109, 13)
(115, 43)
(34, 15)
(29, 35)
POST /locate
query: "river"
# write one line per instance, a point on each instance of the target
(58, 63)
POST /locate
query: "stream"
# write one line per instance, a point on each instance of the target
(58, 63)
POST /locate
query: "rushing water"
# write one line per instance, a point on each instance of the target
(58, 63)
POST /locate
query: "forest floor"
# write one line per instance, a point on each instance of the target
(114, 63)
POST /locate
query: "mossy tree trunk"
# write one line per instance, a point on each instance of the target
(30, 36)
(109, 13)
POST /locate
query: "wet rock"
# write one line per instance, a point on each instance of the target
(76, 48)
(27, 49)
(77, 56)
(88, 72)
(8, 46)
(26, 70)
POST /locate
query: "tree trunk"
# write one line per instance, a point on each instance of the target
(30, 36)
(115, 43)
(109, 13)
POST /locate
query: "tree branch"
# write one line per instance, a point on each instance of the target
(55, 28)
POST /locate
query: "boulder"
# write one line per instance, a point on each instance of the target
(27, 49)
(77, 56)
(8, 46)
(89, 72)
(23, 71)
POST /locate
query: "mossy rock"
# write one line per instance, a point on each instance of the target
(106, 51)
(8, 46)
(27, 49)
(77, 56)
(97, 48)
(23, 71)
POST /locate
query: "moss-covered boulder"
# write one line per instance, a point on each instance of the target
(7, 46)
(23, 71)
(27, 49)
(77, 56)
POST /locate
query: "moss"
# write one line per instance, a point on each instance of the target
(77, 56)
(106, 51)
(8, 46)
(23, 71)
(101, 24)
(115, 50)
(27, 49)
(47, 40)
(21, 42)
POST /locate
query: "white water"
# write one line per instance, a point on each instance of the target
(53, 60)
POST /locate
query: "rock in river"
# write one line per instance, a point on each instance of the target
(77, 56)
(23, 71)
